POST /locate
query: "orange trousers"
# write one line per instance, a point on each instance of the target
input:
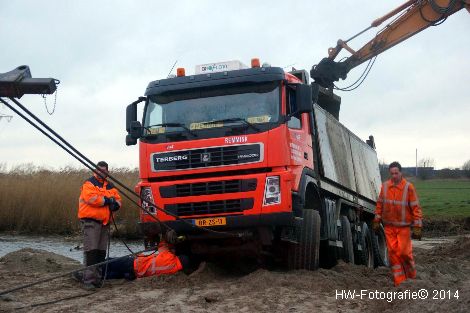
(400, 253)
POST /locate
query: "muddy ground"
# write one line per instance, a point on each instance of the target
(444, 267)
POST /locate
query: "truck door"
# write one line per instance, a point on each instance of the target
(300, 138)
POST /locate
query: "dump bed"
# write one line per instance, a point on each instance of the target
(346, 160)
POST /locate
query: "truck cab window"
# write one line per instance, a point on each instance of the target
(295, 121)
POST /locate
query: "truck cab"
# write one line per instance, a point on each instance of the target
(228, 157)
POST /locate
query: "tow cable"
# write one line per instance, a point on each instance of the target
(45, 280)
(17, 90)
(18, 82)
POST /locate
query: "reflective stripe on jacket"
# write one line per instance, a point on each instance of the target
(165, 262)
(91, 201)
(398, 205)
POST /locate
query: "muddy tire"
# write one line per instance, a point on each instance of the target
(348, 250)
(379, 245)
(365, 256)
(306, 254)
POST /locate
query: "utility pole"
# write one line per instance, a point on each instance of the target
(416, 167)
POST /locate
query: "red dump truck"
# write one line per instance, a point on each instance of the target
(253, 161)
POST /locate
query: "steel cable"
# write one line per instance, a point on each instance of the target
(92, 166)
(45, 280)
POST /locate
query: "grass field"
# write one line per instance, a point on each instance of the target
(444, 198)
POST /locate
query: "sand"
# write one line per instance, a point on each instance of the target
(445, 267)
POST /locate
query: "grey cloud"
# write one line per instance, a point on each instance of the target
(106, 52)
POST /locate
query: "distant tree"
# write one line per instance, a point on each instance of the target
(466, 168)
(425, 163)
(449, 173)
(384, 174)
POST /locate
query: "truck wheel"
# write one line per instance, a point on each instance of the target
(348, 252)
(328, 255)
(379, 245)
(306, 253)
(365, 256)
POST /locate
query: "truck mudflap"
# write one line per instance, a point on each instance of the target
(151, 229)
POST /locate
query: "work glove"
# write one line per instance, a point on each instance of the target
(107, 200)
(114, 206)
(416, 234)
(172, 238)
(375, 226)
(112, 203)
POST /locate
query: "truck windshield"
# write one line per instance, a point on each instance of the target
(202, 110)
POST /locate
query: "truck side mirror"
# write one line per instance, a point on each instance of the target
(131, 115)
(136, 130)
(133, 127)
(130, 141)
(303, 98)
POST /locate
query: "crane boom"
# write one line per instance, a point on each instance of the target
(409, 19)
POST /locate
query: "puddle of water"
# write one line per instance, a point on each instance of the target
(59, 245)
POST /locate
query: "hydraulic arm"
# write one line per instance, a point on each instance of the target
(408, 19)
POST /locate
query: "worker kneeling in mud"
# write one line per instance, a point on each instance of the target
(162, 263)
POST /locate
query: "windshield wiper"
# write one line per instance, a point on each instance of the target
(234, 119)
(183, 126)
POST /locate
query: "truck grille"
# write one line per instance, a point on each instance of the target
(208, 188)
(206, 157)
(210, 207)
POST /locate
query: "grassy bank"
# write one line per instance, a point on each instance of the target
(444, 198)
(37, 200)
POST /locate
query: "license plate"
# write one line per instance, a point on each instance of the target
(213, 221)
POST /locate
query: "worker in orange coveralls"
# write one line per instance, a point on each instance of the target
(165, 262)
(398, 208)
(98, 200)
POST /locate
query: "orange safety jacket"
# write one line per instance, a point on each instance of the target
(91, 201)
(398, 205)
(165, 262)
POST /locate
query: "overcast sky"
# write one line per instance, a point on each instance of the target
(105, 53)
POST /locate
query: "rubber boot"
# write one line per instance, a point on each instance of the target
(91, 276)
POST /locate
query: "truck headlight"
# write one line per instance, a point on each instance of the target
(147, 198)
(272, 191)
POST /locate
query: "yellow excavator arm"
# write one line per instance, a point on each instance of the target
(408, 19)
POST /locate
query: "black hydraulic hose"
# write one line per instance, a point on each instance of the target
(4, 292)
(95, 166)
(361, 79)
(119, 235)
(105, 274)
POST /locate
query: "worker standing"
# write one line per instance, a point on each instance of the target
(398, 208)
(98, 200)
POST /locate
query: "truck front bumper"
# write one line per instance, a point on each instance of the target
(234, 223)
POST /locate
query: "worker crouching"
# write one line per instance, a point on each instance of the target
(398, 208)
(164, 262)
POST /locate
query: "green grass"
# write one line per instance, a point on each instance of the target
(444, 198)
